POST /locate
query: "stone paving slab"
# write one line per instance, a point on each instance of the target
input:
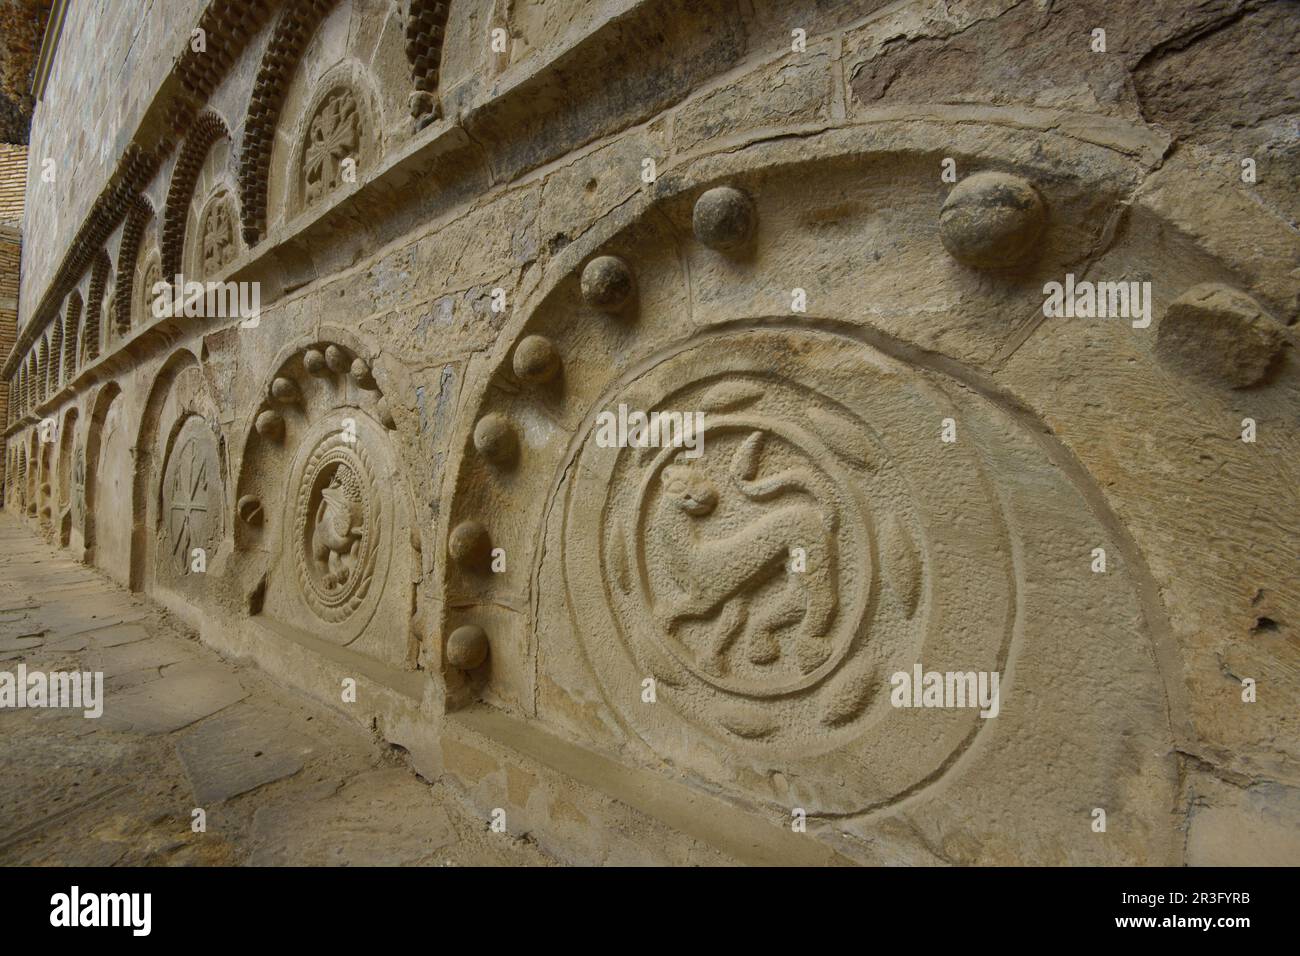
(280, 779)
(154, 653)
(185, 693)
(115, 636)
(384, 816)
(239, 750)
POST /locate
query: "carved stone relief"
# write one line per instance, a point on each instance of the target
(773, 583)
(334, 138)
(318, 489)
(338, 520)
(191, 502)
(218, 239)
(146, 296)
(822, 540)
(79, 486)
(825, 537)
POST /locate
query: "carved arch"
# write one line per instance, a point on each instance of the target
(216, 243)
(316, 447)
(43, 369)
(153, 445)
(342, 112)
(63, 505)
(92, 340)
(208, 129)
(289, 38)
(20, 482)
(606, 532)
(94, 446)
(71, 336)
(138, 218)
(426, 27)
(56, 354)
(50, 376)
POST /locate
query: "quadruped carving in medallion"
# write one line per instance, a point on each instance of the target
(714, 539)
(338, 523)
(317, 491)
(762, 578)
(769, 579)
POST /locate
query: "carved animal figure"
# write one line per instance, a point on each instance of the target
(337, 536)
(717, 576)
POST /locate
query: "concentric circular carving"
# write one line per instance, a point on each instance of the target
(191, 498)
(337, 527)
(740, 556)
(771, 579)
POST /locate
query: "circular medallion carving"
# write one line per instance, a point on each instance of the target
(337, 527)
(191, 498)
(740, 555)
(772, 579)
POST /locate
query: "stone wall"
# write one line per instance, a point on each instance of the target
(13, 180)
(831, 229)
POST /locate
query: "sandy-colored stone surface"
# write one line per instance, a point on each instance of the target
(836, 234)
(283, 780)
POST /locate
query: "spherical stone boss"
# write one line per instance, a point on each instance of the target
(992, 220)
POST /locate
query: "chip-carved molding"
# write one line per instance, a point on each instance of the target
(209, 128)
(289, 38)
(138, 218)
(228, 26)
(426, 28)
(72, 332)
(95, 307)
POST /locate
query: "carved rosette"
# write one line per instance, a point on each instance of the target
(334, 137)
(337, 526)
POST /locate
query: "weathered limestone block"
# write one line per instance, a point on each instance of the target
(1221, 333)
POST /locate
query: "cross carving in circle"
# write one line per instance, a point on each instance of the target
(332, 138)
(188, 503)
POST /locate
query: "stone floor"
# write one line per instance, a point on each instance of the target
(282, 780)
